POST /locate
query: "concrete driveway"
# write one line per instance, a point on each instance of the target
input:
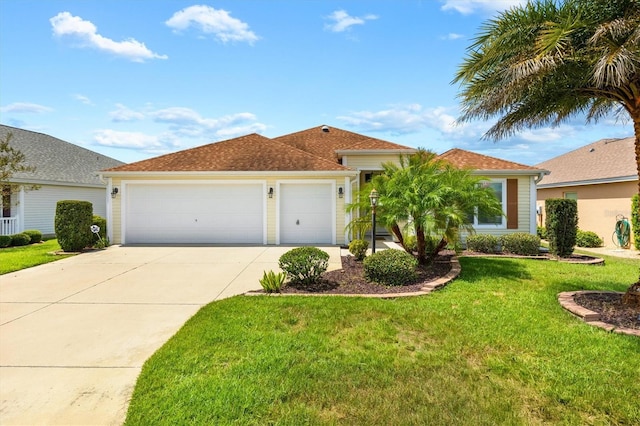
(75, 333)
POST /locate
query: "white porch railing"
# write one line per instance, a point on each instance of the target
(8, 225)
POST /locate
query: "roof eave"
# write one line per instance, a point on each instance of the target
(375, 151)
(108, 174)
(631, 178)
(526, 172)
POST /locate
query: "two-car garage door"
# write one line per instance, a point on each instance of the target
(227, 213)
(194, 213)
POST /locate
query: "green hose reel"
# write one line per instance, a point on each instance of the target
(622, 234)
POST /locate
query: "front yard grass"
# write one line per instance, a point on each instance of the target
(15, 258)
(493, 347)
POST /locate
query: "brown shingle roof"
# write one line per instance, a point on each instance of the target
(325, 143)
(246, 153)
(467, 159)
(601, 160)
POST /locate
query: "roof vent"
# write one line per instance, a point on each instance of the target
(592, 149)
(325, 129)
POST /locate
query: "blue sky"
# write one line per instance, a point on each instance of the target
(135, 79)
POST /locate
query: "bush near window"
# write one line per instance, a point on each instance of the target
(304, 265)
(20, 240)
(520, 243)
(562, 225)
(635, 220)
(5, 241)
(482, 243)
(73, 222)
(542, 232)
(358, 248)
(34, 234)
(588, 239)
(390, 267)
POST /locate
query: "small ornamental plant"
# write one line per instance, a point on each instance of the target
(272, 282)
(390, 267)
(304, 265)
(358, 248)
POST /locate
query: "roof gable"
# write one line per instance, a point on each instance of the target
(324, 141)
(471, 160)
(606, 159)
(246, 153)
(55, 160)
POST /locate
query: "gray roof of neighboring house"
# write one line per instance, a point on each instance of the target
(55, 160)
(604, 161)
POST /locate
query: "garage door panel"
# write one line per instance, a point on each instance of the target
(306, 213)
(194, 213)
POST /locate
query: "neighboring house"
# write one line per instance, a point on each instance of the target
(601, 176)
(64, 171)
(291, 189)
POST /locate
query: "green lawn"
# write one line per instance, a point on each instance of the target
(493, 347)
(16, 258)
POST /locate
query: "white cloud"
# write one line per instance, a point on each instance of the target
(131, 140)
(65, 24)
(452, 36)
(81, 98)
(212, 21)
(467, 7)
(342, 21)
(25, 108)
(187, 122)
(413, 118)
(123, 114)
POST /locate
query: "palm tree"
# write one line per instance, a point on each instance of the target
(428, 196)
(545, 62)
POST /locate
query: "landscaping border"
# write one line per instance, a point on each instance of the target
(426, 289)
(567, 301)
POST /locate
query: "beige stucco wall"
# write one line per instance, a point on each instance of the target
(598, 205)
(270, 181)
(369, 162)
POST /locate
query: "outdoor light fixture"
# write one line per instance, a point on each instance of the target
(340, 192)
(114, 192)
(270, 192)
(373, 197)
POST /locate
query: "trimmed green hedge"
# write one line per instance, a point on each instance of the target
(520, 243)
(562, 225)
(482, 243)
(73, 224)
(34, 234)
(588, 239)
(358, 248)
(635, 220)
(304, 265)
(20, 240)
(390, 267)
(5, 241)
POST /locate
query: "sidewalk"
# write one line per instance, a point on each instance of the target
(612, 251)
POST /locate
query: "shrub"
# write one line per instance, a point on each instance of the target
(482, 243)
(635, 220)
(520, 243)
(390, 267)
(73, 224)
(304, 265)
(272, 282)
(542, 232)
(562, 225)
(20, 240)
(34, 234)
(358, 248)
(5, 241)
(588, 239)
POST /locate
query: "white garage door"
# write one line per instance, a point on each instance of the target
(194, 213)
(306, 213)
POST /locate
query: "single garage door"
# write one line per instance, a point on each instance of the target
(194, 213)
(306, 213)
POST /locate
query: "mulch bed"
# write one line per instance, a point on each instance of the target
(610, 308)
(350, 279)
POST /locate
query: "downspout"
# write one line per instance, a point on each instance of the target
(109, 206)
(533, 221)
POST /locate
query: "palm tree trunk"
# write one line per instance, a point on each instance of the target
(397, 232)
(636, 127)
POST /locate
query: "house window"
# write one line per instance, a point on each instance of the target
(6, 201)
(482, 219)
(571, 196)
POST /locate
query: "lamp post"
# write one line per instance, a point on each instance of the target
(373, 197)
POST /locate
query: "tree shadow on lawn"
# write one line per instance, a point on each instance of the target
(476, 269)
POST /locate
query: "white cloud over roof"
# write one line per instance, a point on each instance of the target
(342, 21)
(467, 7)
(65, 24)
(212, 21)
(25, 107)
